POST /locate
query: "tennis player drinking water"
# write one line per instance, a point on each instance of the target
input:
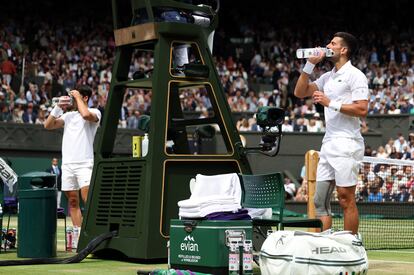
(343, 92)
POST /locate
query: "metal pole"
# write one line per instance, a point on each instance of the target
(23, 67)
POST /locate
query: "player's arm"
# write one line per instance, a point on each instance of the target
(53, 121)
(83, 107)
(358, 108)
(303, 87)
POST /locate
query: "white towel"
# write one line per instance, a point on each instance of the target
(200, 212)
(195, 202)
(211, 194)
(220, 185)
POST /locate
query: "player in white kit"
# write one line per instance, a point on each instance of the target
(79, 129)
(343, 92)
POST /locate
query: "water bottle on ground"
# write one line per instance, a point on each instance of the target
(308, 52)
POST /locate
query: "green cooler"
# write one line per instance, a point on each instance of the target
(200, 245)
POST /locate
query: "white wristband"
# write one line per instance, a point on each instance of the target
(308, 68)
(335, 105)
(56, 111)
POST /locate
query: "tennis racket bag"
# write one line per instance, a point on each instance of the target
(295, 252)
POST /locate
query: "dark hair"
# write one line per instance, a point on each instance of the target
(85, 91)
(349, 41)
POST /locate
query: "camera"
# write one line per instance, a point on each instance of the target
(268, 116)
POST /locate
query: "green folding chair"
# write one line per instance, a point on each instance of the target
(268, 191)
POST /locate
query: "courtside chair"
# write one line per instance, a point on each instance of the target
(268, 191)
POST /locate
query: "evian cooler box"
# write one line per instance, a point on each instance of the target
(200, 245)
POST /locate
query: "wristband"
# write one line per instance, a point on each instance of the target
(56, 111)
(308, 68)
(335, 105)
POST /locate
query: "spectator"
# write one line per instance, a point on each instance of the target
(302, 194)
(290, 189)
(29, 115)
(403, 196)
(8, 70)
(286, 127)
(375, 195)
(299, 126)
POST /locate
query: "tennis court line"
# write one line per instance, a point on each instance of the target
(396, 251)
(392, 262)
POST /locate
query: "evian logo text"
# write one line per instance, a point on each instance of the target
(189, 244)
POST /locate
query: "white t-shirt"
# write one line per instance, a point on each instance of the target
(346, 85)
(78, 137)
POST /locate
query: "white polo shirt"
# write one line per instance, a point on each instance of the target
(78, 137)
(346, 85)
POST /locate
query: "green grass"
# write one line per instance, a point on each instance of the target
(383, 262)
(384, 233)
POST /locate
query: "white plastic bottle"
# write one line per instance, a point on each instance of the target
(308, 52)
(144, 148)
(247, 257)
(234, 258)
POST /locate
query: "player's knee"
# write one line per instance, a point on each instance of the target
(321, 200)
(320, 207)
(346, 200)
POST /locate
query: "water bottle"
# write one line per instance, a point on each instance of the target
(234, 258)
(144, 147)
(247, 257)
(75, 238)
(65, 100)
(69, 238)
(308, 52)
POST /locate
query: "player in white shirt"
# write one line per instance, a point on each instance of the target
(79, 129)
(344, 94)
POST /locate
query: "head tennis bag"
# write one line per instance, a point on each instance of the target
(295, 252)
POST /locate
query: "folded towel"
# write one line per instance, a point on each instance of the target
(212, 194)
(195, 202)
(204, 211)
(219, 185)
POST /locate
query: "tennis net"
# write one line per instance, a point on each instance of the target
(385, 198)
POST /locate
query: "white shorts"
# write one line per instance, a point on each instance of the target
(75, 176)
(339, 160)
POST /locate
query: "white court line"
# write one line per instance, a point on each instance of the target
(395, 251)
(393, 262)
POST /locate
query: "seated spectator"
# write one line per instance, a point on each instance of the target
(411, 197)
(29, 115)
(302, 194)
(381, 153)
(403, 196)
(300, 126)
(313, 127)
(290, 189)
(286, 127)
(388, 195)
(375, 195)
(244, 125)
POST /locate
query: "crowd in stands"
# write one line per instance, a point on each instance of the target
(377, 182)
(82, 52)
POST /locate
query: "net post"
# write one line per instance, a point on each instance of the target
(311, 164)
